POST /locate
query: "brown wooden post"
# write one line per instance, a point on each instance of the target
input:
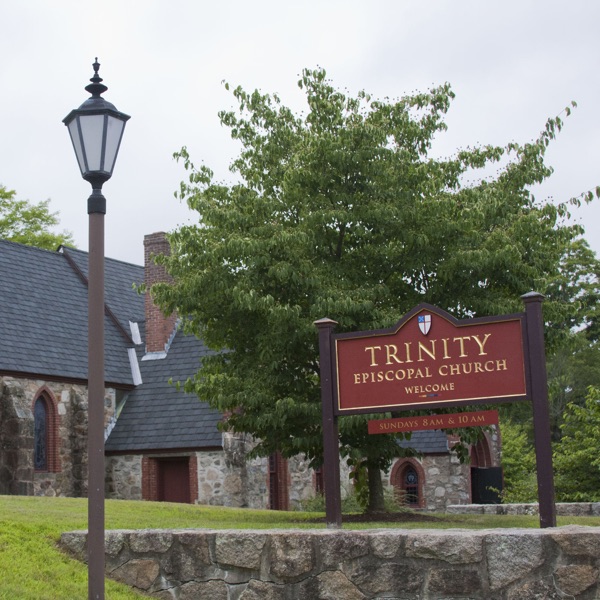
(331, 450)
(541, 414)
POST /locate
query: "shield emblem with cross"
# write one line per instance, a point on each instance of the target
(425, 323)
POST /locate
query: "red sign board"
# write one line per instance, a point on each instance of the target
(454, 421)
(430, 358)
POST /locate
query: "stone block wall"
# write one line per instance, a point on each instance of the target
(567, 509)
(302, 481)
(244, 482)
(219, 482)
(511, 564)
(224, 482)
(16, 435)
(124, 476)
(67, 475)
(228, 478)
(447, 481)
(224, 477)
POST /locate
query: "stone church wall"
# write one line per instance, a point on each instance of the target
(302, 481)
(221, 482)
(124, 477)
(225, 477)
(16, 433)
(67, 473)
(447, 481)
(230, 478)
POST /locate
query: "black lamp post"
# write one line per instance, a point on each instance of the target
(96, 129)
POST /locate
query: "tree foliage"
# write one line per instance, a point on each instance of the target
(576, 458)
(30, 224)
(518, 463)
(343, 212)
(574, 363)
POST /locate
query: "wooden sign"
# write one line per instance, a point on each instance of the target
(430, 359)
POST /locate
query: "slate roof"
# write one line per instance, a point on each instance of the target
(157, 416)
(43, 319)
(43, 332)
(119, 293)
(432, 441)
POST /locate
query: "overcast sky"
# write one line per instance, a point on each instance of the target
(512, 64)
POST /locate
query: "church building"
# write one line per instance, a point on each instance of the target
(160, 443)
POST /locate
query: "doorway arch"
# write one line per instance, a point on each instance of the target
(486, 476)
(408, 480)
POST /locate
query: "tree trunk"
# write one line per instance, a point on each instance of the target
(376, 503)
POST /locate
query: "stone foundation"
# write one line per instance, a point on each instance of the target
(508, 564)
(566, 509)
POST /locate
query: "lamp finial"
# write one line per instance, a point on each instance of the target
(96, 88)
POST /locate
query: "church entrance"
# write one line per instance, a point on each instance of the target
(174, 479)
(486, 480)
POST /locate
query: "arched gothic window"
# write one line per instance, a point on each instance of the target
(408, 479)
(481, 455)
(411, 486)
(45, 433)
(319, 480)
(40, 435)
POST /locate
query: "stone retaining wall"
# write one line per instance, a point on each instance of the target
(565, 509)
(508, 564)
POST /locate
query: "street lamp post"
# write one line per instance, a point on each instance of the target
(96, 129)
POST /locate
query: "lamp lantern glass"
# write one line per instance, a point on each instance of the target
(96, 129)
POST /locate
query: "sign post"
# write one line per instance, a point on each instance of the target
(541, 413)
(331, 451)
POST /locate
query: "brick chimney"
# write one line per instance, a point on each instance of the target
(159, 329)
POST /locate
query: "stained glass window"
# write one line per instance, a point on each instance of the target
(40, 435)
(411, 486)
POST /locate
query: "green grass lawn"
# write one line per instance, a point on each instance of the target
(33, 568)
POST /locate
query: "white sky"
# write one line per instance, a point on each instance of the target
(512, 64)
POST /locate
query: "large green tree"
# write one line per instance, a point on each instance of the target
(342, 212)
(27, 223)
